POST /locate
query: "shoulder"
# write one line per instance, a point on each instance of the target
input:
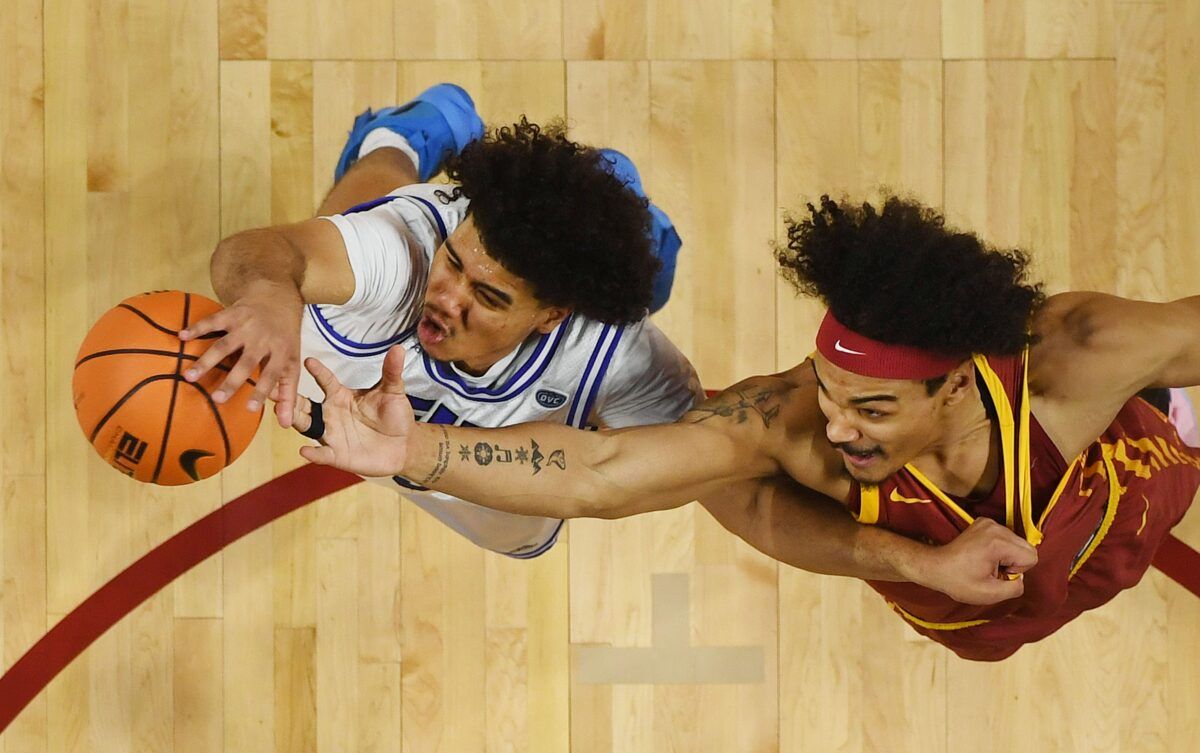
(1086, 331)
(645, 377)
(430, 206)
(645, 345)
(631, 352)
(1071, 319)
(439, 199)
(1093, 353)
(1091, 321)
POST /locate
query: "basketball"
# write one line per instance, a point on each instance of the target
(136, 408)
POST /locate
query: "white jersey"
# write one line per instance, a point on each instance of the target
(584, 373)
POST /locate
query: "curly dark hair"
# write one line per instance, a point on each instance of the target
(901, 276)
(550, 211)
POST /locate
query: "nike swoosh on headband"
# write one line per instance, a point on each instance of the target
(840, 348)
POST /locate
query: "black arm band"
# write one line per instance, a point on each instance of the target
(316, 428)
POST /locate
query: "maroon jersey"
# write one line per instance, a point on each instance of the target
(1096, 520)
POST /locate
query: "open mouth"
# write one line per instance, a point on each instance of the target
(859, 459)
(431, 330)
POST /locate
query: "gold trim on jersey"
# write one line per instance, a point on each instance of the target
(1110, 512)
(1033, 531)
(1058, 491)
(941, 495)
(1008, 430)
(934, 625)
(868, 505)
(1145, 514)
(1014, 438)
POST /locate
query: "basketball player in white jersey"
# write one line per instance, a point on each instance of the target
(519, 292)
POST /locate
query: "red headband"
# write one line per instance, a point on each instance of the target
(846, 349)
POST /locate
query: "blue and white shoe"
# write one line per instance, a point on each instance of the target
(665, 241)
(437, 123)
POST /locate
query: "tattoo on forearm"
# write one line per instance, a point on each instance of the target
(740, 405)
(443, 460)
(536, 458)
(487, 453)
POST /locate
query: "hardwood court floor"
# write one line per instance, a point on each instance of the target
(135, 133)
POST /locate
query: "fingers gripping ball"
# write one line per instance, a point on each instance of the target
(136, 408)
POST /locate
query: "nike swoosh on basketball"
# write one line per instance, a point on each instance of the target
(187, 461)
(843, 349)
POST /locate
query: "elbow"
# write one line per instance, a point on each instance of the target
(231, 264)
(593, 509)
(609, 508)
(221, 266)
(253, 255)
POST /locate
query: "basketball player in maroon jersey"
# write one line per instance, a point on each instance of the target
(945, 390)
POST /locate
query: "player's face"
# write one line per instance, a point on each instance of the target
(878, 425)
(476, 311)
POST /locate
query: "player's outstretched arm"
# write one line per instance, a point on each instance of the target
(810, 531)
(265, 277)
(1096, 351)
(540, 468)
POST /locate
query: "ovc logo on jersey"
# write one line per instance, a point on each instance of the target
(550, 398)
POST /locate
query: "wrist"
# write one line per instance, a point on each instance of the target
(419, 451)
(912, 561)
(922, 565)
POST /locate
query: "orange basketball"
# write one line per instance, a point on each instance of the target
(136, 408)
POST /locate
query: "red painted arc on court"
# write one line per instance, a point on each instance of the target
(25, 679)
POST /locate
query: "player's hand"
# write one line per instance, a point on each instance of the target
(366, 431)
(984, 565)
(264, 328)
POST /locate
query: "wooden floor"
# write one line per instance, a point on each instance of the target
(135, 133)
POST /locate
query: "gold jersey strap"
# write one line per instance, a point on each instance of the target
(1033, 533)
(868, 505)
